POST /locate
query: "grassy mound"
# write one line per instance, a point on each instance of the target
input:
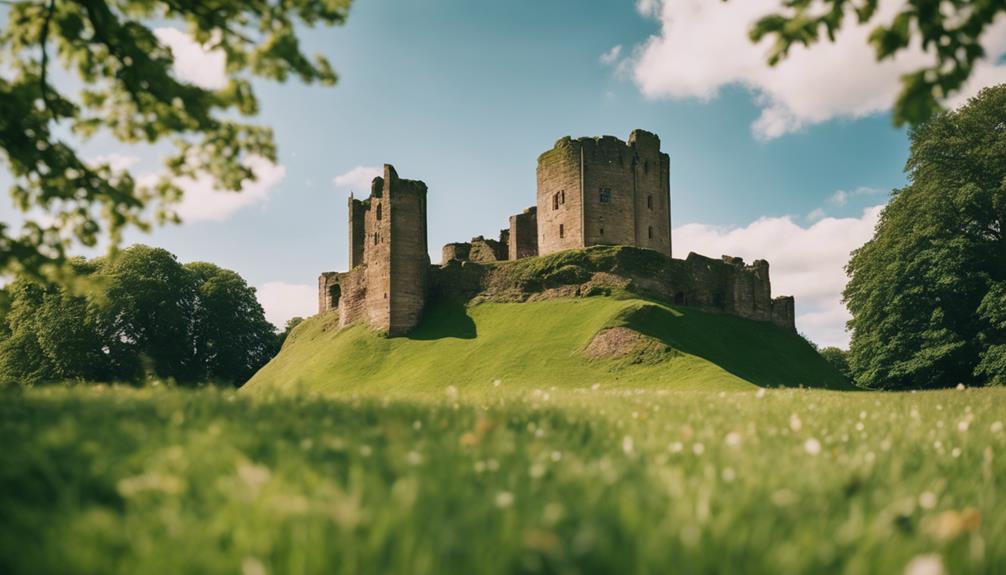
(542, 344)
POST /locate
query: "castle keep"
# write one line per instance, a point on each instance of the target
(591, 192)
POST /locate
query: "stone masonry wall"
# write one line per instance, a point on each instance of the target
(386, 287)
(524, 234)
(596, 191)
(560, 211)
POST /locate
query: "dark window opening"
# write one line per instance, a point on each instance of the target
(378, 212)
(602, 231)
(555, 201)
(562, 196)
(334, 293)
(605, 195)
(646, 167)
(649, 202)
(649, 232)
(679, 298)
(375, 238)
(562, 231)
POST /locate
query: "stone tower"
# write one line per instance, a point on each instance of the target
(386, 285)
(594, 191)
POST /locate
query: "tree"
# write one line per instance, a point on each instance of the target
(231, 335)
(928, 293)
(130, 92)
(838, 358)
(151, 317)
(950, 29)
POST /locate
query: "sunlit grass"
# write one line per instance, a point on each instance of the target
(486, 479)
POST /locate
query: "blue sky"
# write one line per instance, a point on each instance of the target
(465, 95)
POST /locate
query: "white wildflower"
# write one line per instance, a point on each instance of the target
(760, 393)
(452, 392)
(927, 500)
(812, 446)
(794, 422)
(252, 566)
(996, 427)
(929, 564)
(733, 439)
(504, 499)
(698, 448)
(628, 446)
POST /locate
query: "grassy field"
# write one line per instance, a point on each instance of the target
(540, 344)
(488, 479)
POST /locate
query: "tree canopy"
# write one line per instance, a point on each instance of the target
(153, 317)
(129, 91)
(951, 30)
(928, 292)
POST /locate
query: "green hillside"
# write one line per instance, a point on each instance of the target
(548, 343)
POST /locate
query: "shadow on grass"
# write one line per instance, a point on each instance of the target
(758, 352)
(444, 318)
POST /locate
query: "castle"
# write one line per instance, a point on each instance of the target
(591, 191)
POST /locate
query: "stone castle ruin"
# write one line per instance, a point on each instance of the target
(591, 192)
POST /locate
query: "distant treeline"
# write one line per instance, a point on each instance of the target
(133, 317)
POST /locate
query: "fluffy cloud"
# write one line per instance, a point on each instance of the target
(194, 63)
(611, 56)
(283, 301)
(204, 201)
(806, 262)
(358, 178)
(703, 46)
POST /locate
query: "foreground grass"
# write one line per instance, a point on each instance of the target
(540, 344)
(112, 480)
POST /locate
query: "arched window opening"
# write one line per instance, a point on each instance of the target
(334, 293)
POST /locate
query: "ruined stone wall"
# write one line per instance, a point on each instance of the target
(357, 230)
(455, 251)
(386, 286)
(524, 234)
(487, 251)
(409, 255)
(560, 209)
(608, 192)
(651, 173)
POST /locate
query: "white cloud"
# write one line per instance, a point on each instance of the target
(816, 214)
(842, 197)
(358, 178)
(806, 262)
(194, 63)
(283, 301)
(703, 46)
(204, 201)
(611, 56)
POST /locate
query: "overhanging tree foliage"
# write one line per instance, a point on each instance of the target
(129, 91)
(928, 292)
(155, 318)
(948, 29)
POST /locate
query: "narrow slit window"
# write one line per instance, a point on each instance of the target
(602, 231)
(562, 197)
(378, 212)
(649, 202)
(562, 231)
(555, 201)
(649, 232)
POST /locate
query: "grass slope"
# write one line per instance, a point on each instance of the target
(487, 480)
(539, 345)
